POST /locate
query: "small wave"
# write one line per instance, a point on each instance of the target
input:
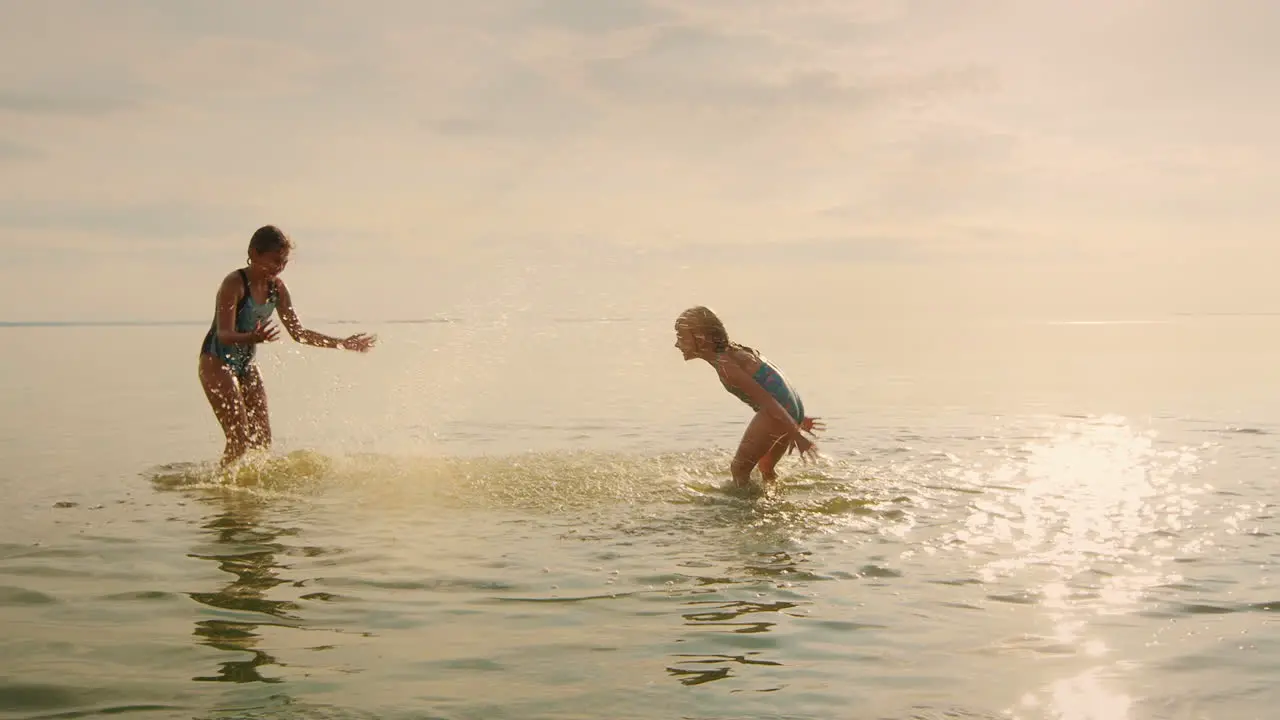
(15, 596)
(1203, 609)
(1178, 609)
(1245, 431)
(584, 487)
(261, 472)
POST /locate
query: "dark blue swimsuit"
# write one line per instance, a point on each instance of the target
(773, 381)
(248, 314)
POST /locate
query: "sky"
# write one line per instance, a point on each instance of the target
(591, 158)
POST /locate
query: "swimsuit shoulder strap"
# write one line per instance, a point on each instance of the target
(272, 292)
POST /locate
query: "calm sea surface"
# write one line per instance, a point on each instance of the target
(524, 519)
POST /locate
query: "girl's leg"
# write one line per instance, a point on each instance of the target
(771, 458)
(223, 393)
(255, 403)
(764, 442)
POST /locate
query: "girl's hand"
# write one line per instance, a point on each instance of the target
(812, 425)
(263, 332)
(359, 342)
(807, 448)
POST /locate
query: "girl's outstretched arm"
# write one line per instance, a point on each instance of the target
(359, 342)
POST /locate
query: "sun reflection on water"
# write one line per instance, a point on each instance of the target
(1085, 528)
(1086, 696)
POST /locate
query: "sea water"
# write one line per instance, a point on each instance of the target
(1019, 518)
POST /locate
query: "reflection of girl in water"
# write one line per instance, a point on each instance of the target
(251, 558)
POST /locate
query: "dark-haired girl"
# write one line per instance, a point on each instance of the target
(246, 299)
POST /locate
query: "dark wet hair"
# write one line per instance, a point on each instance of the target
(269, 238)
(702, 321)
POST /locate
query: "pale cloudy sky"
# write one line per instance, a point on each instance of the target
(431, 156)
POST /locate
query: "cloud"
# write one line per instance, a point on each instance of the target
(12, 152)
(79, 104)
(672, 75)
(243, 18)
(938, 171)
(877, 132)
(59, 61)
(698, 66)
(941, 246)
(798, 253)
(521, 103)
(147, 225)
(595, 16)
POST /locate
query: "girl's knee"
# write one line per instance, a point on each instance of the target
(767, 464)
(239, 435)
(259, 437)
(768, 467)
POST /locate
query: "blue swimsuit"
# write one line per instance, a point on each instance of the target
(248, 314)
(772, 380)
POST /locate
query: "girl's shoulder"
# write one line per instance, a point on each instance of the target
(746, 359)
(234, 279)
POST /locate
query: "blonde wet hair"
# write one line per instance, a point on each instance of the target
(703, 322)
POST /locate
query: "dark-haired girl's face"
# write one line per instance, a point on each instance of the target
(271, 263)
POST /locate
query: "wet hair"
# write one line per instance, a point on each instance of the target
(269, 238)
(700, 320)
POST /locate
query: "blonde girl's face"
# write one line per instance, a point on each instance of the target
(686, 342)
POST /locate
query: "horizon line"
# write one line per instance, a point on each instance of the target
(321, 321)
